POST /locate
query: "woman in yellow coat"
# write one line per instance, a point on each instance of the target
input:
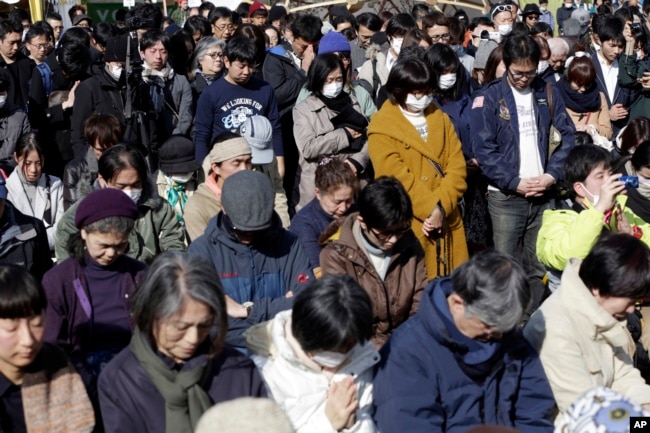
(413, 140)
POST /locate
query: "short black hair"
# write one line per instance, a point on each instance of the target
(320, 68)
(103, 32)
(400, 24)
(40, 28)
(419, 10)
(219, 12)
(307, 27)
(385, 205)
(333, 313)
(370, 21)
(518, 48)
(443, 59)
(152, 37)
(581, 161)
(53, 16)
(240, 48)
(612, 30)
(206, 6)
(408, 76)
(7, 26)
(75, 35)
(120, 14)
(197, 23)
(21, 295)
(480, 21)
(120, 157)
(618, 266)
(147, 12)
(541, 28)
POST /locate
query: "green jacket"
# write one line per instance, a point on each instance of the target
(179, 16)
(156, 230)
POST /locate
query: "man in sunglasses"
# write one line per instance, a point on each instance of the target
(511, 123)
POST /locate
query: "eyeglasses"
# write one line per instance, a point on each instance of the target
(215, 55)
(223, 27)
(41, 46)
(386, 236)
(443, 37)
(520, 75)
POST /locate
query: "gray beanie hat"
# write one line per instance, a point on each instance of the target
(571, 28)
(247, 198)
(482, 53)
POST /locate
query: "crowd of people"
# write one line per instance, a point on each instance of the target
(388, 222)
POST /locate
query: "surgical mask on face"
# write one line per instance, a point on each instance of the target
(133, 194)
(396, 44)
(505, 29)
(541, 66)
(594, 197)
(332, 90)
(3, 100)
(182, 178)
(568, 5)
(542, 9)
(115, 71)
(329, 359)
(418, 105)
(447, 81)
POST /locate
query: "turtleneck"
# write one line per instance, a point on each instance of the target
(418, 120)
(378, 257)
(111, 327)
(28, 187)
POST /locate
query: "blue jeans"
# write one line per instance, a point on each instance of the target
(515, 223)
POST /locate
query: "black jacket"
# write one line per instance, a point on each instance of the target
(284, 76)
(79, 177)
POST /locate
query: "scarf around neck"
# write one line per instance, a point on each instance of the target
(185, 399)
(579, 102)
(156, 80)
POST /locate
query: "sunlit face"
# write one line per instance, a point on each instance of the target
(468, 324)
(10, 44)
(238, 72)
(611, 50)
(364, 34)
(38, 48)
(57, 27)
(299, 46)
(126, 179)
(439, 34)
(31, 165)
(259, 20)
(521, 73)
(618, 307)
(155, 56)
(20, 341)
(212, 60)
(557, 60)
(231, 166)
(502, 18)
(223, 28)
(105, 248)
(273, 37)
(336, 202)
(179, 335)
(592, 183)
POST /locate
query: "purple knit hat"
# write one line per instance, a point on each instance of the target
(104, 203)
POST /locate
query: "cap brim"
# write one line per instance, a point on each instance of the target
(180, 167)
(261, 156)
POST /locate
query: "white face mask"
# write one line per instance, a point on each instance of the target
(568, 5)
(332, 90)
(182, 178)
(541, 66)
(505, 29)
(133, 194)
(447, 81)
(594, 197)
(115, 72)
(396, 44)
(542, 9)
(418, 105)
(3, 100)
(329, 359)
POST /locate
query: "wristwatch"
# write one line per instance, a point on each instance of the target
(248, 306)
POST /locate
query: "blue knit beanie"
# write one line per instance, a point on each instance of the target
(333, 42)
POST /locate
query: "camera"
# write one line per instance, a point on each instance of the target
(636, 28)
(630, 181)
(135, 23)
(490, 36)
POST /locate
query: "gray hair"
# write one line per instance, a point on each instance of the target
(494, 288)
(172, 277)
(201, 49)
(558, 45)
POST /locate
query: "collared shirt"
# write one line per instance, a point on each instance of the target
(610, 75)
(12, 416)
